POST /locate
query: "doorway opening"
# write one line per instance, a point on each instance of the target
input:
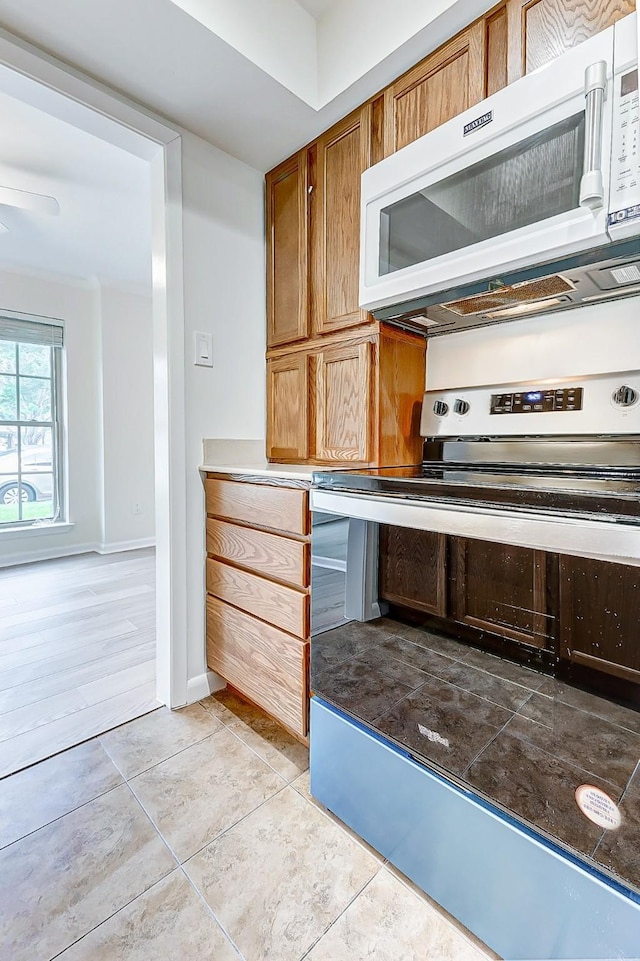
(107, 556)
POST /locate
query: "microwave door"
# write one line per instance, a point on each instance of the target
(531, 184)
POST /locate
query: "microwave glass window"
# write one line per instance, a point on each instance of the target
(529, 182)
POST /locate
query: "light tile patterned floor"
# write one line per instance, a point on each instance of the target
(192, 835)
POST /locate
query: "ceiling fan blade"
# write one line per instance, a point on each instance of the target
(26, 200)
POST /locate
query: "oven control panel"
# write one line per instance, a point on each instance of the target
(533, 400)
(583, 406)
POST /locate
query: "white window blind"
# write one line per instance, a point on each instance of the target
(46, 333)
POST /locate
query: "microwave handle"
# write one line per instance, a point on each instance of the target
(595, 89)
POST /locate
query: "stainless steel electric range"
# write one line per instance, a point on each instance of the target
(508, 791)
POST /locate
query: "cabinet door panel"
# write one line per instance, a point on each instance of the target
(541, 30)
(342, 154)
(287, 308)
(342, 403)
(599, 605)
(413, 569)
(497, 51)
(288, 407)
(503, 589)
(439, 88)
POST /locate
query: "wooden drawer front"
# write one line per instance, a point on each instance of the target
(268, 554)
(270, 667)
(274, 603)
(282, 508)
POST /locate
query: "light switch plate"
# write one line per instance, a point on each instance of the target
(203, 349)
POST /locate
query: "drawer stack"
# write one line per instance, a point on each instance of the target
(258, 594)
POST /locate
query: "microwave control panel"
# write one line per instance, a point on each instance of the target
(534, 401)
(624, 205)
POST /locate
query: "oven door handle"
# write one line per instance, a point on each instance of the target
(595, 90)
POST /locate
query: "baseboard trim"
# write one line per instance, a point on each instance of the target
(51, 553)
(203, 685)
(45, 554)
(117, 546)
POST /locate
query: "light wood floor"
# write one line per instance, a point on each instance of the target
(77, 651)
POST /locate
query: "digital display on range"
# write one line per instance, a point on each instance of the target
(534, 401)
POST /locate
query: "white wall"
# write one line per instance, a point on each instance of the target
(224, 294)
(109, 414)
(593, 339)
(126, 323)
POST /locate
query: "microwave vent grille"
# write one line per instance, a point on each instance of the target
(508, 296)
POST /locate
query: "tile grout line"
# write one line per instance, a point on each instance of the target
(228, 728)
(344, 910)
(167, 758)
(210, 910)
(78, 807)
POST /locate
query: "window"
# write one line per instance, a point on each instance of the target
(30, 428)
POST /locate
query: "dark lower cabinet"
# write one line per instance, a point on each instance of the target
(413, 569)
(599, 616)
(503, 590)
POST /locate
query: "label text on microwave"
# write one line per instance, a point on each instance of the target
(477, 123)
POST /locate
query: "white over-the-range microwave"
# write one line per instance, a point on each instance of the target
(527, 202)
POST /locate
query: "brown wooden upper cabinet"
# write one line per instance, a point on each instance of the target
(338, 159)
(540, 30)
(437, 89)
(287, 292)
(343, 424)
(352, 399)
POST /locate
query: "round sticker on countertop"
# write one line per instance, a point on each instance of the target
(598, 807)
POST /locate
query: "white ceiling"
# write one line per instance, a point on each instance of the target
(317, 8)
(257, 78)
(103, 230)
(170, 60)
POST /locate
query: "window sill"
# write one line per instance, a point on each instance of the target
(59, 527)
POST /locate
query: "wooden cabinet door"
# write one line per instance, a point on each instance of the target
(503, 590)
(340, 157)
(343, 403)
(599, 605)
(540, 30)
(413, 569)
(288, 407)
(287, 297)
(437, 89)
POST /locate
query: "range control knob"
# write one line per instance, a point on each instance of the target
(624, 396)
(461, 406)
(440, 408)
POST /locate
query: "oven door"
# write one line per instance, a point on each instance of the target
(520, 178)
